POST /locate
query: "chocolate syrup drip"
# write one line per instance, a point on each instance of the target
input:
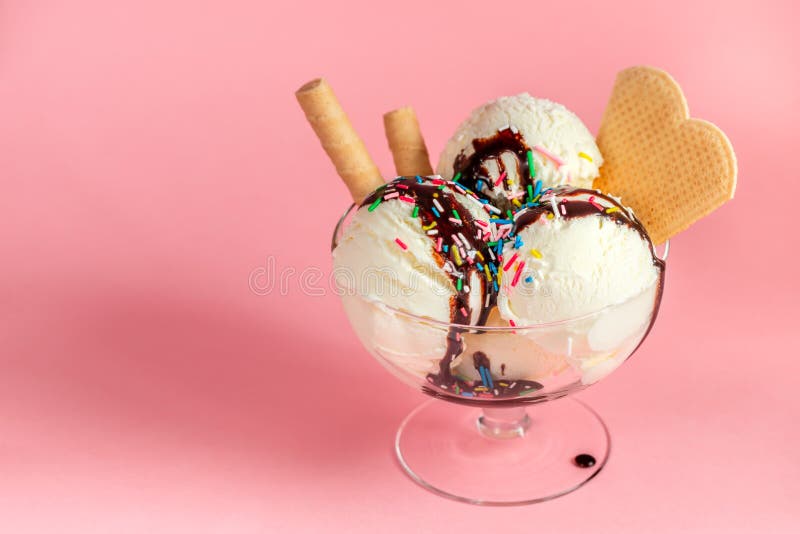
(427, 193)
(451, 219)
(475, 172)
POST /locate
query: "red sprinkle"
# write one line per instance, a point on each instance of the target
(500, 179)
(401, 186)
(464, 311)
(407, 199)
(399, 242)
(518, 273)
(511, 262)
(511, 322)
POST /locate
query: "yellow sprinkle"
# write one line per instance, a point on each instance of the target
(431, 225)
(612, 209)
(480, 256)
(499, 276)
(516, 202)
(550, 215)
(435, 195)
(586, 157)
(456, 254)
(536, 254)
(488, 274)
(481, 388)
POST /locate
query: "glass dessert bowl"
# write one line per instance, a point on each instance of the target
(486, 445)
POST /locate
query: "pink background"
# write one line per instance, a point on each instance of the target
(146, 153)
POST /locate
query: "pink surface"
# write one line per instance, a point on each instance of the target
(145, 154)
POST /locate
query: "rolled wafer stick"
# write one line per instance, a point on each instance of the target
(406, 143)
(339, 139)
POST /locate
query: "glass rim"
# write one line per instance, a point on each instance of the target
(483, 328)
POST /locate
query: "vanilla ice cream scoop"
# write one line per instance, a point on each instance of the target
(576, 253)
(508, 145)
(581, 253)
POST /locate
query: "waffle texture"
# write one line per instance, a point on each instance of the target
(671, 169)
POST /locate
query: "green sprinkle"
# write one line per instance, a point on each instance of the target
(530, 192)
(441, 187)
(492, 243)
(531, 169)
(528, 391)
(510, 215)
(415, 213)
(459, 284)
(375, 204)
(455, 214)
(457, 177)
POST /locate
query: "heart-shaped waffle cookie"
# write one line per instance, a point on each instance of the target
(671, 169)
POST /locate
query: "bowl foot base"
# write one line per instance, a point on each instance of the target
(447, 449)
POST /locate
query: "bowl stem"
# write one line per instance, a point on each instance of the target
(504, 423)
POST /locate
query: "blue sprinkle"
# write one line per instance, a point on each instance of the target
(482, 371)
(538, 188)
(493, 268)
(436, 212)
(479, 186)
(495, 286)
(478, 265)
(502, 221)
(445, 247)
(419, 180)
(486, 378)
(467, 394)
(517, 242)
(483, 201)
(529, 280)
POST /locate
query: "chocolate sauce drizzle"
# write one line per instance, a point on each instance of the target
(440, 210)
(574, 208)
(475, 172)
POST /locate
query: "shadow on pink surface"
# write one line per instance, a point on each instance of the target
(151, 370)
